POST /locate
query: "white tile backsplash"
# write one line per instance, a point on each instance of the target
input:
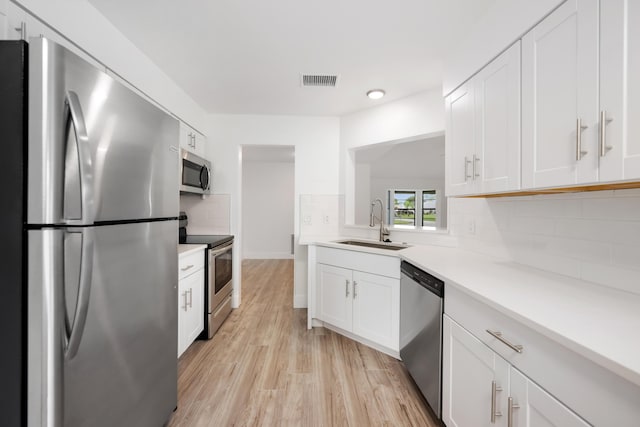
(593, 236)
(210, 215)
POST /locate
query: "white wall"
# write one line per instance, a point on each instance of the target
(316, 142)
(414, 117)
(80, 22)
(267, 209)
(593, 236)
(504, 23)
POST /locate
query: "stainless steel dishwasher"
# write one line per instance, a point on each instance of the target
(421, 302)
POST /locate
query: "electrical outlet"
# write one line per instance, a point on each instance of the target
(471, 226)
(306, 220)
(325, 219)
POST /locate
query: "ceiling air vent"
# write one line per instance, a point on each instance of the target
(322, 80)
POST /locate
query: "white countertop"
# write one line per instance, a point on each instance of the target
(184, 249)
(600, 323)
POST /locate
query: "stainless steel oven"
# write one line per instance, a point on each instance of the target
(219, 293)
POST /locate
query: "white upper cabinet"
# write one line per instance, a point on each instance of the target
(619, 148)
(483, 129)
(497, 99)
(192, 140)
(560, 97)
(460, 140)
(573, 133)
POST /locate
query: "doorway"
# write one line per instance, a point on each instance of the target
(268, 201)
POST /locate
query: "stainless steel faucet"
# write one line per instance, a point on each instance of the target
(384, 231)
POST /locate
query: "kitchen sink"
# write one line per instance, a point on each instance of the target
(376, 245)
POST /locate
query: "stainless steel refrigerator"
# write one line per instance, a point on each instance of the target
(93, 286)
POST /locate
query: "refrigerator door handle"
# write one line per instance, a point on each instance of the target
(74, 336)
(84, 159)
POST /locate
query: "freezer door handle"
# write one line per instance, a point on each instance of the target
(84, 159)
(74, 333)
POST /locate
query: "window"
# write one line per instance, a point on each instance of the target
(429, 208)
(404, 208)
(409, 214)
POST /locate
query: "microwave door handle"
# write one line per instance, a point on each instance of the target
(74, 335)
(84, 160)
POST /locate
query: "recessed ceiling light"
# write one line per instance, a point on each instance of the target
(375, 93)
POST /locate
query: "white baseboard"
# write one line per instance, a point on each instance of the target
(268, 255)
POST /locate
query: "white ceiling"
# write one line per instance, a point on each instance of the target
(246, 56)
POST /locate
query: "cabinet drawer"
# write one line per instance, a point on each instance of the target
(381, 265)
(579, 383)
(189, 264)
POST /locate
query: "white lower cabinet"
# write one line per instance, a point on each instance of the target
(471, 373)
(367, 305)
(190, 299)
(480, 388)
(531, 406)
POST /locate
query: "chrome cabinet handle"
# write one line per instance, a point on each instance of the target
(476, 159)
(346, 288)
(498, 335)
(604, 121)
(355, 290)
(188, 267)
(495, 388)
(190, 297)
(466, 168)
(184, 307)
(22, 29)
(510, 407)
(579, 128)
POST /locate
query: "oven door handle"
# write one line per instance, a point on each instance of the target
(218, 251)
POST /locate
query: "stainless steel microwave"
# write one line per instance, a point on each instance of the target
(195, 173)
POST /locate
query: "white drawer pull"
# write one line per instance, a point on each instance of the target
(188, 267)
(498, 335)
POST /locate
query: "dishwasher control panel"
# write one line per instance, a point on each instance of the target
(423, 278)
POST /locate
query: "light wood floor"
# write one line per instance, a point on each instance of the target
(264, 368)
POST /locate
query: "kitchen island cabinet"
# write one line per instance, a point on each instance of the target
(358, 294)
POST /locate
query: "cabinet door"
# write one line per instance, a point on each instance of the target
(536, 407)
(559, 87)
(190, 309)
(199, 143)
(469, 369)
(183, 315)
(186, 138)
(460, 140)
(620, 89)
(376, 309)
(195, 301)
(334, 296)
(497, 120)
